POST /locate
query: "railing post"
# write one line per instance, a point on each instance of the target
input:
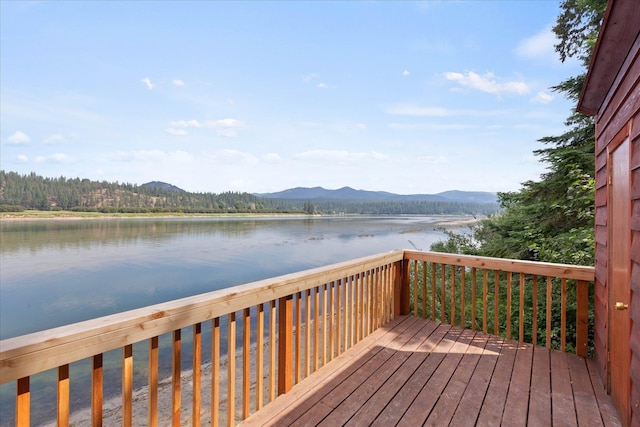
(582, 318)
(285, 333)
(401, 303)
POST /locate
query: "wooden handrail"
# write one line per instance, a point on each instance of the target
(312, 317)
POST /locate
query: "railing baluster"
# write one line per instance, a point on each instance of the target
(63, 395)
(215, 372)
(316, 326)
(196, 375)
(246, 362)
(534, 314)
(307, 332)
(452, 308)
(175, 378)
(485, 298)
(473, 299)
(563, 316)
(23, 402)
(272, 350)
(96, 391)
(231, 370)
(152, 381)
(549, 301)
(424, 289)
(443, 293)
(463, 305)
(259, 356)
(298, 342)
(127, 385)
(521, 309)
(414, 273)
(496, 302)
(325, 290)
(331, 311)
(509, 300)
(433, 291)
(358, 314)
(285, 329)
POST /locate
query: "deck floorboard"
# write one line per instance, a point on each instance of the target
(418, 372)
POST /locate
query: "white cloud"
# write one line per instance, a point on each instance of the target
(54, 139)
(272, 158)
(22, 158)
(433, 159)
(226, 127)
(405, 73)
(185, 124)
(54, 158)
(18, 137)
(178, 82)
(430, 126)
(487, 83)
(339, 155)
(176, 132)
(542, 98)
(153, 156)
(228, 156)
(417, 110)
(148, 83)
(539, 46)
(310, 77)
(323, 85)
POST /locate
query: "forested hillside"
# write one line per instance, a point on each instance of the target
(19, 192)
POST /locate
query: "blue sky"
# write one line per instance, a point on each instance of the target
(406, 97)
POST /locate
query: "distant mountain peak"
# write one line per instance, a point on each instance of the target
(162, 186)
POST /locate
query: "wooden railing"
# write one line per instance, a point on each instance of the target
(278, 331)
(521, 300)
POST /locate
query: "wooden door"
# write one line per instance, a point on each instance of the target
(619, 278)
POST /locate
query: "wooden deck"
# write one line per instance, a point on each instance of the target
(419, 372)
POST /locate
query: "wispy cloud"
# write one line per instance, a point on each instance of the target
(323, 85)
(54, 158)
(177, 82)
(153, 156)
(185, 124)
(22, 159)
(488, 83)
(404, 109)
(148, 83)
(539, 46)
(542, 98)
(405, 73)
(55, 139)
(18, 138)
(176, 132)
(339, 155)
(224, 127)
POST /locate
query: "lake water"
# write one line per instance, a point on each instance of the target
(59, 272)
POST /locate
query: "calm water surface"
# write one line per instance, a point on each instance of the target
(59, 272)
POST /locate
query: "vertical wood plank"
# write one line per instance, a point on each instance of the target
(509, 301)
(330, 314)
(534, 314)
(272, 350)
(196, 375)
(358, 313)
(549, 290)
(152, 381)
(452, 309)
(285, 330)
(474, 307)
(259, 356)
(298, 338)
(325, 303)
(307, 332)
(496, 302)
(231, 370)
(563, 316)
(433, 291)
(63, 395)
(316, 326)
(463, 305)
(414, 274)
(485, 300)
(23, 402)
(424, 289)
(339, 302)
(127, 385)
(246, 362)
(443, 293)
(521, 309)
(215, 372)
(176, 364)
(582, 318)
(96, 390)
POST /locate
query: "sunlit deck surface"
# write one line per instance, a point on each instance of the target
(419, 372)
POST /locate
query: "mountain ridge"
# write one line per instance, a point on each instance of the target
(348, 193)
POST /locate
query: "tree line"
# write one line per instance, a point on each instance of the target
(20, 192)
